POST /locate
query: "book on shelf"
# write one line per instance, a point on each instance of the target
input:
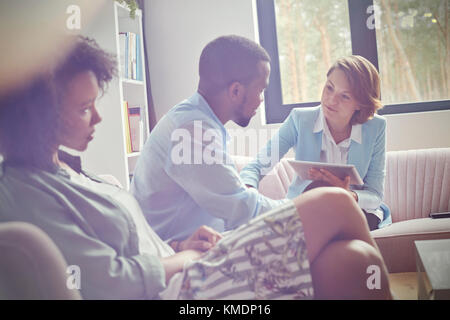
(127, 127)
(123, 54)
(138, 58)
(136, 128)
(130, 55)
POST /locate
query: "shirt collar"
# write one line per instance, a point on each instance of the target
(72, 161)
(355, 135)
(198, 100)
(318, 126)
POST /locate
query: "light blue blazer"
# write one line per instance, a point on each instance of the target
(296, 132)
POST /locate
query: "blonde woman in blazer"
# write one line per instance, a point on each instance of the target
(344, 129)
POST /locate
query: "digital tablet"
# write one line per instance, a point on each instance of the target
(339, 170)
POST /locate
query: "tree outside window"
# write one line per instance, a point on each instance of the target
(413, 44)
(412, 41)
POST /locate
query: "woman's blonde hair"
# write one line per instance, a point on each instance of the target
(364, 83)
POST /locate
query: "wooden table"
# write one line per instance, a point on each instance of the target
(433, 269)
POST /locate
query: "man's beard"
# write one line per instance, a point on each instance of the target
(241, 119)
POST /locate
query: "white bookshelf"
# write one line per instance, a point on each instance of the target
(131, 90)
(107, 153)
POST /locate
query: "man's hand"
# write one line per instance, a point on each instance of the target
(175, 263)
(203, 239)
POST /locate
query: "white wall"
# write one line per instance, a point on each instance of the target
(177, 31)
(420, 130)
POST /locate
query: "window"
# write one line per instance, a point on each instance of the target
(311, 35)
(407, 40)
(413, 50)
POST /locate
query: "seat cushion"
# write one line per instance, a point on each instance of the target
(396, 242)
(417, 183)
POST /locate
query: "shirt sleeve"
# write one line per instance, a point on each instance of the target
(201, 166)
(105, 273)
(108, 261)
(270, 155)
(371, 194)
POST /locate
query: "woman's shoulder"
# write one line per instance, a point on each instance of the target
(306, 110)
(378, 122)
(21, 193)
(373, 128)
(379, 118)
(305, 114)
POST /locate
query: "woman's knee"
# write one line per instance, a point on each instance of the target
(350, 270)
(368, 262)
(331, 201)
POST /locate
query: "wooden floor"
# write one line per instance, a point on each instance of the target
(404, 285)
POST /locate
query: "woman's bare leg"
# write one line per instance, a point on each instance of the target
(344, 270)
(332, 221)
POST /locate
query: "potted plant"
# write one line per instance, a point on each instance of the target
(131, 4)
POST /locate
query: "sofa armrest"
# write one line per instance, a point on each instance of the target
(31, 265)
(396, 242)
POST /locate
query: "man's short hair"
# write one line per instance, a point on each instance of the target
(228, 59)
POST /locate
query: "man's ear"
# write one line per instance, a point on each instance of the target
(236, 91)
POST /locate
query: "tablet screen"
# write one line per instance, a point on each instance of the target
(339, 170)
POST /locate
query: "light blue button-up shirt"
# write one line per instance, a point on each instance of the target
(185, 178)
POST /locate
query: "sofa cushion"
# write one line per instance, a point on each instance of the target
(417, 183)
(396, 242)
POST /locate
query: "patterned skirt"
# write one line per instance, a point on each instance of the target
(263, 259)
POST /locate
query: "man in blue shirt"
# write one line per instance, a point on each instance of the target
(184, 177)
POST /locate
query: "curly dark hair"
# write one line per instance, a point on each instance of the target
(29, 115)
(86, 55)
(27, 118)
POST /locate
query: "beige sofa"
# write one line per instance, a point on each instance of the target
(417, 183)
